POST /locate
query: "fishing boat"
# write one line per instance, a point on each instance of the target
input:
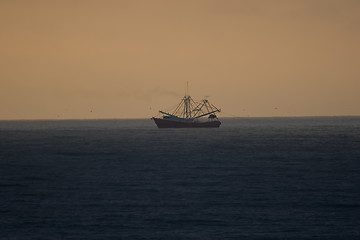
(189, 114)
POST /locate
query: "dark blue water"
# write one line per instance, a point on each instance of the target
(253, 178)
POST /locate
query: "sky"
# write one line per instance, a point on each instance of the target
(129, 59)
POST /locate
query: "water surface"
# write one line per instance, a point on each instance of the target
(253, 178)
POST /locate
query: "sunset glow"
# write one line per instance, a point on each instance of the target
(128, 59)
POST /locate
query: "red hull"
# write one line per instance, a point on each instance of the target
(164, 123)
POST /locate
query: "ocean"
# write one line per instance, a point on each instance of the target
(252, 178)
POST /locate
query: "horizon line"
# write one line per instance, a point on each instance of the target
(143, 118)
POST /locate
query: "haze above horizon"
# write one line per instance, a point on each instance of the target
(128, 59)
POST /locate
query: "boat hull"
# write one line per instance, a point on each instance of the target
(164, 123)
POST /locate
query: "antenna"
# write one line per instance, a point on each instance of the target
(187, 86)
(187, 89)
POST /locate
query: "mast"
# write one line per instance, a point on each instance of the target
(187, 110)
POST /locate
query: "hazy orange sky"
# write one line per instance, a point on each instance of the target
(128, 59)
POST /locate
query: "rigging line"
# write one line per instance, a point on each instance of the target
(198, 108)
(171, 107)
(229, 114)
(206, 114)
(213, 106)
(206, 105)
(178, 107)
